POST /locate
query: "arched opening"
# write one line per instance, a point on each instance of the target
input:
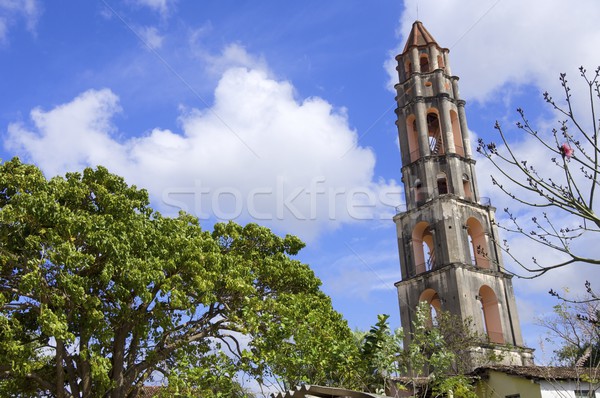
(413, 137)
(423, 247)
(456, 133)
(477, 240)
(436, 145)
(424, 63)
(407, 69)
(431, 297)
(491, 314)
(440, 60)
(442, 184)
(467, 187)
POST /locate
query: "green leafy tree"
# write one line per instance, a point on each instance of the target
(100, 295)
(570, 187)
(320, 351)
(435, 359)
(380, 353)
(433, 363)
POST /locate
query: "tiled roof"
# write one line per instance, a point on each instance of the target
(543, 372)
(418, 37)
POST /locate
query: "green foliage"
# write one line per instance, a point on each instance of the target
(433, 363)
(438, 353)
(380, 351)
(99, 294)
(460, 386)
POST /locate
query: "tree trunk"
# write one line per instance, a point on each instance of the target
(60, 373)
(118, 362)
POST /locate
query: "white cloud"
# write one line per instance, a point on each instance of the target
(257, 154)
(161, 6)
(234, 55)
(12, 11)
(151, 37)
(71, 135)
(493, 43)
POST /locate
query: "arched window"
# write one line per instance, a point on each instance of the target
(491, 314)
(408, 69)
(423, 248)
(479, 246)
(442, 184)
(456, 133)
(436, 145)
(413, 137)
(431, 297)
(424, 63)
(440, 62)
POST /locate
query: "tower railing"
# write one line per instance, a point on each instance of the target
(435, 144)
(430, 263)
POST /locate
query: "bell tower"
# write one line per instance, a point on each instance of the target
(446, 236)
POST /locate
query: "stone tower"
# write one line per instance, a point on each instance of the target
(446, 235)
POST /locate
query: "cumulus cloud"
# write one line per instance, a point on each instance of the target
(231, 56)
(257, 153)
(13, 11)
(161, 6)
(493, 44)
(151, 37)
(71, 135)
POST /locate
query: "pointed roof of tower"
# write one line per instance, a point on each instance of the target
(418, 37)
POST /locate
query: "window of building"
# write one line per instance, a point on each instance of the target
(423, 248)
(424, 63)
(478, 243)
(490, 312)
(435, 305)
(440, 62)
(436, 146)
(442, 184)
(584, 394)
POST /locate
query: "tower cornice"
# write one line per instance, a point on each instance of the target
(443, 96)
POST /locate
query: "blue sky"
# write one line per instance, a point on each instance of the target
(280, 112)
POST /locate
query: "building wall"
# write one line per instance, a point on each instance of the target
(500, 385)
(563, 389)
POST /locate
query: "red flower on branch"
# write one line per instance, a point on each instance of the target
(566, 150)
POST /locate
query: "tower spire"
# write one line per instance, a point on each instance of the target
(446, 236)
(418, 37)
